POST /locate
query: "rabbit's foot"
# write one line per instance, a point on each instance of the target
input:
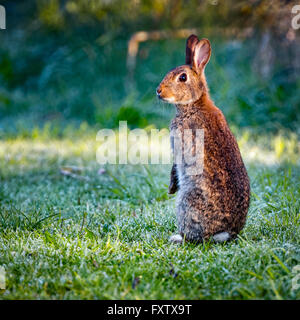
(221, 237)
(176, 238)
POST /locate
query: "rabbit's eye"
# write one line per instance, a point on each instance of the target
(182, 77)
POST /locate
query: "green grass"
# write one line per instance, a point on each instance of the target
(104, 235)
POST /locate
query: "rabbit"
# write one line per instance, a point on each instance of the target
(213, 203)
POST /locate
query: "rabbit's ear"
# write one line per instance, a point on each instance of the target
(190, 46)
(202, 53)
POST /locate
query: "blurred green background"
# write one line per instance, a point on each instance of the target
(63, 63)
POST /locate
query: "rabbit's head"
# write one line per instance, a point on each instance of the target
(186, 84)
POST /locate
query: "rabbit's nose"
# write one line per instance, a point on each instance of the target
(158, 91)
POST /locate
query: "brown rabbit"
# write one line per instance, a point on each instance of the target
(212, 203)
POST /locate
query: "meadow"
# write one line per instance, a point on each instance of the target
(71, 228)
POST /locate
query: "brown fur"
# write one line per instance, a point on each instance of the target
(218, 199)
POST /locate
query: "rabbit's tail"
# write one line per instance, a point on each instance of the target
(221, 237)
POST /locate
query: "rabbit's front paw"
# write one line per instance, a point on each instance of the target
(173, 180)
(173, 188)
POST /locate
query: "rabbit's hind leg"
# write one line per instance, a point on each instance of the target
(176, 238)
(221, 237)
